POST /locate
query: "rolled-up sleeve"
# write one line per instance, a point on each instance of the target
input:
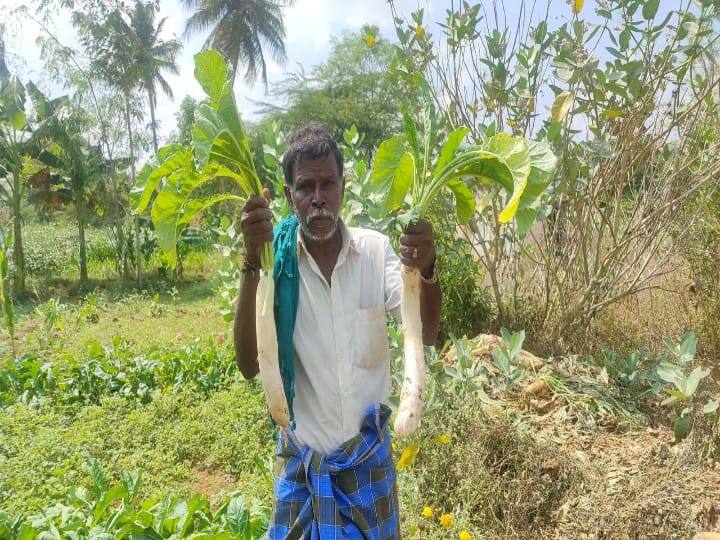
(393, 281)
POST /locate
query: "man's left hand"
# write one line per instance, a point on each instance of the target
(417, 248)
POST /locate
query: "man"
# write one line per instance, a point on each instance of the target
(336, 478)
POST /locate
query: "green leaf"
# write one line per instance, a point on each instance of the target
(447, 152)
(164, 215)
(650, 9)
(687, 348)
(542, 169)
(115, 493)
(711, 406)
(671, 346)
(561, 106)
(429, 134)
(210, 72)
(669, 373)
(411, 134)
(402, 181)
(525, 218)
(694, 379)
(237, 515)
(149, 177)
(464, 200)
(681, 428)
(514, 152)
(387, 158)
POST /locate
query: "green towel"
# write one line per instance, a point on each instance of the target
(287, 287)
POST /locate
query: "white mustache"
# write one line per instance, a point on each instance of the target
(319, 213)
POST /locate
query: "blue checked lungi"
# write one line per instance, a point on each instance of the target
(347, 494)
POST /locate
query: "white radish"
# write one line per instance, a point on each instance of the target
(267, 349)
(413, 387)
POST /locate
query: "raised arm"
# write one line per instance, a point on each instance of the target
(257, 228)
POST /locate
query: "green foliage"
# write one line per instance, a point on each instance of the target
(220, 150)
(506, 354)
(8, 308)
(353, 86)
(197, 421)
(404, 167)
(116, 511)
(683, 383)
(114, 370)
(240, 34)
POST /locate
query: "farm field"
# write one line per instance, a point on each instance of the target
(555, 168)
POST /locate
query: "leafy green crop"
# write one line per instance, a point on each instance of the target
(220, 150)
(115, 370)
(114, 511)
(404, 165)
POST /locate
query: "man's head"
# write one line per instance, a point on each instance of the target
(314, 182)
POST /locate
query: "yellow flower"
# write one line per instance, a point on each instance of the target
(427, 512)
(407, 456)
(419, 31)
(464, 535)
(447, 521)
(444, 439)
(370, 40)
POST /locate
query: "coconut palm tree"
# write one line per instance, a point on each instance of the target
(151, 54)
(240, 30)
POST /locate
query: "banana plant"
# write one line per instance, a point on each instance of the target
(412, 174)
(177, 186)
(5, 299)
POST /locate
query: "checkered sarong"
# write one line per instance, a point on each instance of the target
(347, 494)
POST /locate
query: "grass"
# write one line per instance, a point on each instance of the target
(174, 441)
(141, 319)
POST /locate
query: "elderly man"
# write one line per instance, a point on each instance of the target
(334, 284)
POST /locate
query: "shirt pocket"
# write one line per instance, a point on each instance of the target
(371, 337)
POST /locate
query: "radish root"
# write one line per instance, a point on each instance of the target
(267, 348)
(413, 388)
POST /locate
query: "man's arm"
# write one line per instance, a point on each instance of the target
(430, 304)
(256, 225)
(244, 326)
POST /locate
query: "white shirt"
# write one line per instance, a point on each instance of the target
(342, 358)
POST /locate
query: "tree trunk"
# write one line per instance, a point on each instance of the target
(80, 208)
(18, 253)
(151, 96)
(136, 218)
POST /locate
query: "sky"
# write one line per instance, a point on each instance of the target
(309, 25)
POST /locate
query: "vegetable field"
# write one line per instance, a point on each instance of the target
(567, 156)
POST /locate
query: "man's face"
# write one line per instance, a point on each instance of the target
(316, 196)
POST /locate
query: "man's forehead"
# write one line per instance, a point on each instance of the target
(322, 167)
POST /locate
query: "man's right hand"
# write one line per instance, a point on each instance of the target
(256, 225)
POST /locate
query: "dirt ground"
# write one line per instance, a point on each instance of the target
(629, 480)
